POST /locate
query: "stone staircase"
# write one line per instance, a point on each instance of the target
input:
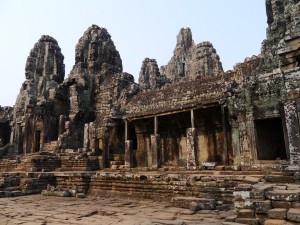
(116, 161)
(50, 147)
(274, 200)
(79, 163)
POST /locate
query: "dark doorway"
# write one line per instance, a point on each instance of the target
(132, 136)
(270, 139)
(37, 140)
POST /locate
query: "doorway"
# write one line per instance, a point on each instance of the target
(270, 139)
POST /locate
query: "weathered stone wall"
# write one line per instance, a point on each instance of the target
(191, 61)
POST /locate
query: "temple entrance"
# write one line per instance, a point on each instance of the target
(37, 141)
(270, 139)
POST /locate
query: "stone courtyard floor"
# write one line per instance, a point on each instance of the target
(42, 210)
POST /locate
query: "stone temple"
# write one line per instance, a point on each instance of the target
(186, 116)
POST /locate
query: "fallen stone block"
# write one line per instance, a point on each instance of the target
(283, 195)
(293, 214)
(80, 195)
(277, 213)
(64, 193)
(202, 203)
(16, 193)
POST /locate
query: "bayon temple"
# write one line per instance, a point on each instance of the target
(189, 116)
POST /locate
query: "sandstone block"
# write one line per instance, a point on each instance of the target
(283, 195)
(185, 202)
(249, 221)
(261, 206)
(277, 213)
(246, 213)
(231, 223)
(293, 214)
(282, 204)
(280, 179)
(80, 195)
(277, 222)
(230, 218)
(251, 180)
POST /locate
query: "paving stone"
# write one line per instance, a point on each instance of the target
(277, 213)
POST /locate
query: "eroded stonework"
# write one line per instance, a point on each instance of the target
(186, 114)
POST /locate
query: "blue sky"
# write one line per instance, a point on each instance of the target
(139, 29)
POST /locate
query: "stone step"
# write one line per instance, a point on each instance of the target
(232, 223)
(294, 215)
(117, 163)
(283, 195)
(116, 157)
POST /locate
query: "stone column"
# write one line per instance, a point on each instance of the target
(61, 124)
(92, 136)
(155, 149)
(235, 136)
(128, 154)
(86, 139)
(224, 125)
(12, 134)
(191, 161)
(103, 145)
(293, 132)
(192, 118)
(126, 130)
(155, 125)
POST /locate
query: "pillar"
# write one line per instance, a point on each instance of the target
(103, 146)
(293, 132)
(126, 130)
(191, 161)
(86, 136)
(155, 125)
(224, 126)
(192, 118)
(92, 136)
(155, 149)
(61, 124)
(128, 154)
